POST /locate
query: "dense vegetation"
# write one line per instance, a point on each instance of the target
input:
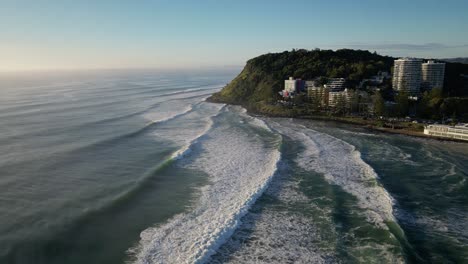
(433, 105)
(459, 60)
(257, 86)
(264, 76)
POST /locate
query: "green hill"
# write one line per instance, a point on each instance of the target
(263, 77)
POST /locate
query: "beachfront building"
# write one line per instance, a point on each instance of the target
(455, 132)
(294, 85)
(318, 95)
(290, 85)
(375, 82)
(407, 75)
(336, 84)
(432, 75)
(335, 98)
(312, 85)
(337, 93)
(339, 98)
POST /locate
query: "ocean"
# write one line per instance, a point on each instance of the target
(136, 167)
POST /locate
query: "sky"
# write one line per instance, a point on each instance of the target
(95, 34)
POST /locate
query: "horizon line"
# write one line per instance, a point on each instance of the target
(201, 67)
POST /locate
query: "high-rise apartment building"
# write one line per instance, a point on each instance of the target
(407, 75)
(432, 75)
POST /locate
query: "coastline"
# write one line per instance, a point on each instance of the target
(358, 122)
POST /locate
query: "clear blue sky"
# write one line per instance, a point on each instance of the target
(56, 34)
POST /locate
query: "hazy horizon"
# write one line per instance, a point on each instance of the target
(66, 35)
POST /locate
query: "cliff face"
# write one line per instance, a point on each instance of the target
(250, 86)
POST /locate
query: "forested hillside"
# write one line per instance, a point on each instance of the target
(264, 76)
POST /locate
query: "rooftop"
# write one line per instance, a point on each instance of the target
(408, 59)
(459, 126)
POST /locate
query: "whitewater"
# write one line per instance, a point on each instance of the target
(240, 165)
(232, 150)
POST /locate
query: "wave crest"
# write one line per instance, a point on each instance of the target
(240, 168)
(341, 164)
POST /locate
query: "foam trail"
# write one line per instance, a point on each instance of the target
(240, 167)
(342, 164)
(185, 150)
(188, 91)
(171, 115)
(253, 120)
(282, 234)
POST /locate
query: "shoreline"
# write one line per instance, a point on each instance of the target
(402, 131)
(366, 124)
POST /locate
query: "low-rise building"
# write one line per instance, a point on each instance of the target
(336, 84)
(294, 85)
(374, 82)
(318, 95)
(312, 85)
(337, 98)
(455, 132)
(290, 85)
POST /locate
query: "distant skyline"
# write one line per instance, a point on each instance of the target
(85, 34)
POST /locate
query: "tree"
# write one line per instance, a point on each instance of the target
(423, 109)
(340, 106)
(379, 104)
(431, 105)
(315, 97)
(402, 103)
(443, 111)
(353, 101)
(299, 99)
(324, 97)
(322, 80)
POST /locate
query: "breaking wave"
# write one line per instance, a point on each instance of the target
(185, 150)
(341, 164)
(240, 166)
(279, 232)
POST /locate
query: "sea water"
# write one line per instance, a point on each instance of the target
(136, 167)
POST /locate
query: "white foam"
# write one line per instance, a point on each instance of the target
(359, 133)
(164, 116)
(386, 150)
(393, 153)
(275, 236)
(186, 149)
(253, 120)
(187, 128)
(171, 109)
(282, 234)
(453, 224)
(296, 229)
(240, 167)
(191, 91)
(342, 165)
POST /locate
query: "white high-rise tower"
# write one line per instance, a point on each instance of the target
(407, 75)
(432, 75)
